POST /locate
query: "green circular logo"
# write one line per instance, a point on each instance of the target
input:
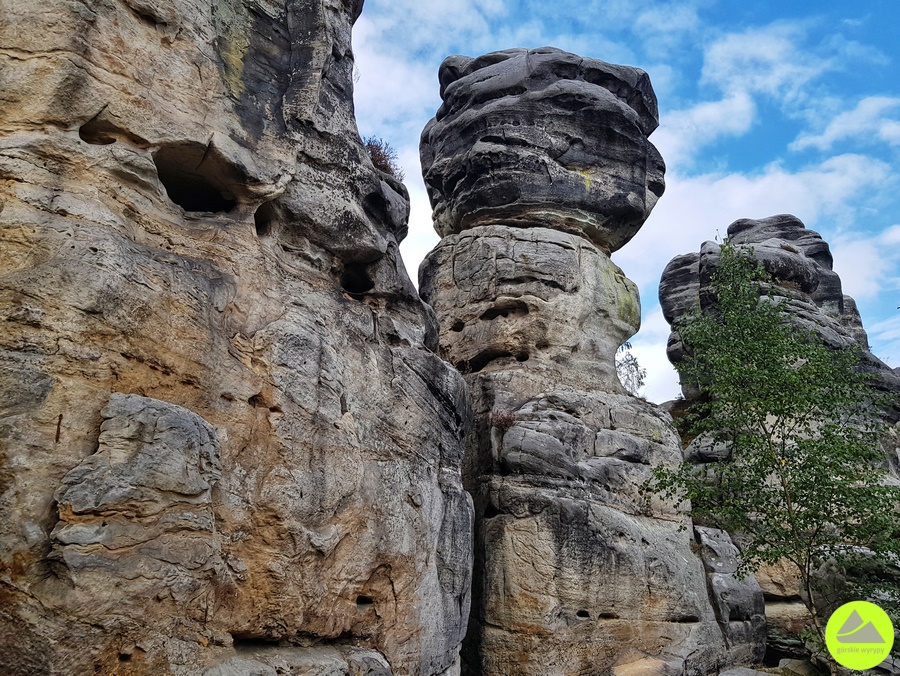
(859, 635)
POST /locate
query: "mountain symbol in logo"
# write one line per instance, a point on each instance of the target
(857, 630)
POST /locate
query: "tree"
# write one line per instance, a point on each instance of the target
(384, 157)
(801, 480)
(629, 371)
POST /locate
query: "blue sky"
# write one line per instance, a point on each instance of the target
(765, 108)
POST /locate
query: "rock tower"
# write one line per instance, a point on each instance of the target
(539, 167)
(227, 445)
(799, 263)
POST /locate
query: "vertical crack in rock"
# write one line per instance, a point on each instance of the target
(538, 167)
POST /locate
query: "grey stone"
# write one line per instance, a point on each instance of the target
(800, 264)
(524, 136)
(538, 167)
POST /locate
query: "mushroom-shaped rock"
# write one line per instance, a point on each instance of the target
(524, 137)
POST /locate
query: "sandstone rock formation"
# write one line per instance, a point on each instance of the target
(538, 166)
(800, 264)
(226, 443)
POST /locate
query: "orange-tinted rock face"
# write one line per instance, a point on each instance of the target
(225, 441)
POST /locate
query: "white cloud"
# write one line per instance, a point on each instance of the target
(391, 88)
(768, 60)
(863, 265)
(683, 133)
(422, 237)
(884, 338)
(695, 208)
(868, 121)
(649, 347)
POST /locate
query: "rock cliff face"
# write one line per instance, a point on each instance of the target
(538, 167)
(226, 443)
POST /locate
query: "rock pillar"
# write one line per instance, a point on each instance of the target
(539, 167)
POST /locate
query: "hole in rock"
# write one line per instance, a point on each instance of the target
(482, 359)
(522, 356)
(458, 326)
(583, 614)
(265, 218)
(375, 207)
(363, 602)
(687, 619)
(505, 309)
(251, 642)
(124, 657)
(194, 179)
(607, 616)
(100, 130)
(94, 134)
(355, 280)
(490, 512)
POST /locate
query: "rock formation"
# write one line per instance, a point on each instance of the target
(538, 167)
(799, 262)
(226, 443)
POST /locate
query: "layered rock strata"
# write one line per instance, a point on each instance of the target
(799, 263)
(538, 167)
(226, 442)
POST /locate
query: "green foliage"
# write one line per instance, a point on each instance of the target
(802, 481)
(383, 155)
(630, 373)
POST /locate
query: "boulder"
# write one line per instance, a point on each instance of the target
(524, 137)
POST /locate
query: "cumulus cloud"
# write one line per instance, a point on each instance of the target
(422, 237)
(649, 347)
(695, 208)
(884, 337)
(875, 119)
(866, 264)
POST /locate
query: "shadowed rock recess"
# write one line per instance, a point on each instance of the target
(538, 167)
(227, 445)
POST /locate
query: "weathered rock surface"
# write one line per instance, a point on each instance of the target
(799, 262)
(526, 137)
(226, 443)
(538, 167)
(738, 602)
